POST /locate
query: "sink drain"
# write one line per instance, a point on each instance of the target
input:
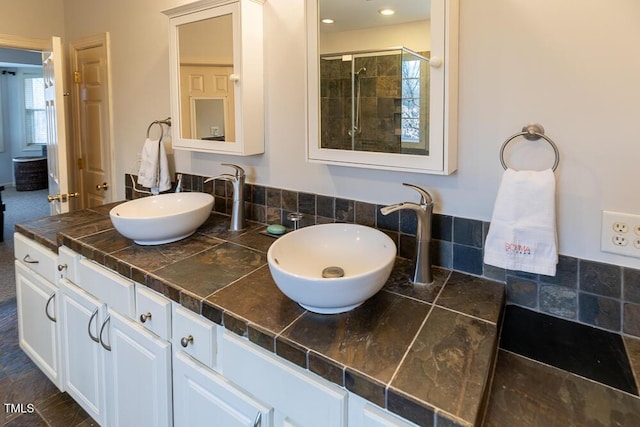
(332, 272)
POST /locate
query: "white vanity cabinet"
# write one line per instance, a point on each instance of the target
(130, 356)
(38, 306)
(140, 370)
(117, 369)
(201, 396)
(83, 358)
(298, 397)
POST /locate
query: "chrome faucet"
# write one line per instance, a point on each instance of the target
(422, 274)
(179, 184)
(237, 212)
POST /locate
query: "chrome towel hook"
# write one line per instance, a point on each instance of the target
(531, 132)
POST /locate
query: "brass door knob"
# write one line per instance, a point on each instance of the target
(104, 186)
(62, 197)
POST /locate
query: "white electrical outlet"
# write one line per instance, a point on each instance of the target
(620, 233)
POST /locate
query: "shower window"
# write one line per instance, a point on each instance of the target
(35, 116)
(410, 120)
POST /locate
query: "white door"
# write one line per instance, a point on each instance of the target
(138, 358)
(90, 62)
(83, 357)
(204, 398)
(57, 148)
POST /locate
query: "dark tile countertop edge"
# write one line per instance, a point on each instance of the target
(452, 338)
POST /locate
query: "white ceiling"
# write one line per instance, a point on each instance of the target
(359, 14)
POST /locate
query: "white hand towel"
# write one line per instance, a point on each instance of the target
(522, 235)
(154, 167)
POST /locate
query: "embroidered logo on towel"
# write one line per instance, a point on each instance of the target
(515, 249)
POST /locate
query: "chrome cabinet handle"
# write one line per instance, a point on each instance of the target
(94, 338)
(62, 267)
(258, 421)
(102, 343)
(145, 317)
(46, 307)
(28, 260)
(185, 341)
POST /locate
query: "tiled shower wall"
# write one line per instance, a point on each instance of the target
(602, 295)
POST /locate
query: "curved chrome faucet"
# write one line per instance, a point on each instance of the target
(422, 274)
(238, 222)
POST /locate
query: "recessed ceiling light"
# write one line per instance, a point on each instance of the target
(327, 21)
(386, 12)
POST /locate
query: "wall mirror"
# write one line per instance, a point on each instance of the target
(216, 63)
(383, 84)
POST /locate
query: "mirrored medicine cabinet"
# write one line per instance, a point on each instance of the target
(382, 90)
(216, 71)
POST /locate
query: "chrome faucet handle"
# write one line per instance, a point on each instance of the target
(425, 196)
(239, 171)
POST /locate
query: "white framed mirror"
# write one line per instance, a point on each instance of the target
(216, 60)
(382, 89)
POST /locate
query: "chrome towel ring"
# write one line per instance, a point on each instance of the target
(166, 121)
(531, 132)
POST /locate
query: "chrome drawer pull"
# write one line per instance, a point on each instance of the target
(186, 340)
(46, 307)
(28, 260)
(258, 421)
(94, 338)
(145, 317)
(105, 346)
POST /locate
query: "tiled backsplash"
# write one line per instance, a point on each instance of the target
(603, 295)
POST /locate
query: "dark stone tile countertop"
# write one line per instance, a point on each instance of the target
(425, 353)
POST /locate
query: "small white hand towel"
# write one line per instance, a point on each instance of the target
(154, 167)
(522, 235)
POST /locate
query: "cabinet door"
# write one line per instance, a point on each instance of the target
(37, 321)
(204, 398)
(84, 361)
(365, 414)
(298, 397)
(140, 375)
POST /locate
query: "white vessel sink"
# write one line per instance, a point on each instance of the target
(301, 261)
(161, 219)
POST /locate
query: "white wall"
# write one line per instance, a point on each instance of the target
(571, 66)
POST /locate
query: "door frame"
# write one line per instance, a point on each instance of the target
(25, 43)
(97, 40)
(42, 45)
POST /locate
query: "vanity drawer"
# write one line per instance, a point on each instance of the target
(36, 257)
(194, 335)
(112, 289)
(153, 311)
(68, 264)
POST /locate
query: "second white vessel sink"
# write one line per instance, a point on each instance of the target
(165, 218)
(331, 268)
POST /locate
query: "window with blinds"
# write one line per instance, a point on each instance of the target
(35, 116)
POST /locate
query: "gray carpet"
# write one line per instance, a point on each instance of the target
(20, 206)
